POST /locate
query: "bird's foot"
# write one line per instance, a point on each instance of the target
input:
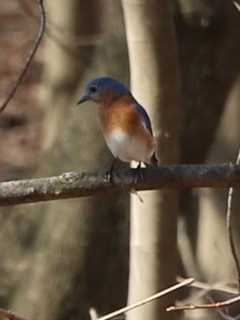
(139, 174)
(109, 173)
(108, 176)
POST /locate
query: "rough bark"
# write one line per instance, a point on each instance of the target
(154, 79)
(72, 184)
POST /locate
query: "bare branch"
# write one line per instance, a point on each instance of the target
(93, 314)
(236, 5)
(54, 32)
(224, 313)
(214, 305)
(230, 229)
(29, 57)
(211, 287)
(147, 300)
(72, 185)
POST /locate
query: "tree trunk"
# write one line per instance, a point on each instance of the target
(213, 246)
(154, 79)
(209, 56)
(79, 242)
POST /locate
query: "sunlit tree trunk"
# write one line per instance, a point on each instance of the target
(154, 79)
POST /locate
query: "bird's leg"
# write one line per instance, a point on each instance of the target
(139, 165)
(109, 172)
(139, 174)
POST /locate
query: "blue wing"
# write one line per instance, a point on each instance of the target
(145, 117)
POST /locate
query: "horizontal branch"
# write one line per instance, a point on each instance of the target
(72, 185)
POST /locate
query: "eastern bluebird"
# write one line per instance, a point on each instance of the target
(125, 123)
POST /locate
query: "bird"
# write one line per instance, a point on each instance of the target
(125, 124)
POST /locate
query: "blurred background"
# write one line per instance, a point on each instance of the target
(59, 259)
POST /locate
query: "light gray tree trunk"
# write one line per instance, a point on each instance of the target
(154, 79)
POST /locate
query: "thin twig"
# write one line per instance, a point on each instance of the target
(236, 5)
(214, 305)
(210, 287)
(93, 314)
(65, 39)
(224, 313)
(55, 32)
(230, 227)
(29, 57)
(207, 287)
(147, 300)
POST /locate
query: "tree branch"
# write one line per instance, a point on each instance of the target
(214, 305)
(29, 57)
(72, 185)
(229, 226)
(207, 287)
(156, 296)
(218, 287)
(186, 282)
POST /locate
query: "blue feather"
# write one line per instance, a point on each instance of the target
(144, 116)
(103, 83)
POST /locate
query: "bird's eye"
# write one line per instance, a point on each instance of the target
(93, 89)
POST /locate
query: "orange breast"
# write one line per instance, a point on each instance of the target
(121, 115)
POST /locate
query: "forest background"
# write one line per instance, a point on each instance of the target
(181, 58)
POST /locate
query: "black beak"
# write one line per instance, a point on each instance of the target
(83, 99)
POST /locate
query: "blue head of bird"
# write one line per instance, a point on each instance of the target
(98, 89)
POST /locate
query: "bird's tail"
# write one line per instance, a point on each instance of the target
(154, 160)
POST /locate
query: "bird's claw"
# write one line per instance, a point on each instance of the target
(109, 173)
(108, 176)
(139, 177)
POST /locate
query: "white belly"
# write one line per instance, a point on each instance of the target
(127, 148)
